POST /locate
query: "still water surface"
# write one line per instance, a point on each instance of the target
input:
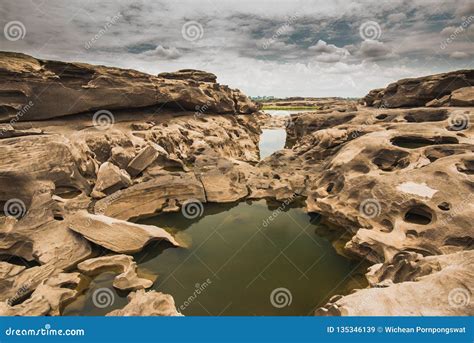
(238, 255)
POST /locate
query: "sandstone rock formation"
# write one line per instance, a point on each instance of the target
(69, 184)
(190, 74)
(117, 235)
(419, 91)
(122, 264)
(83, 87)
(399, 180)
(150, 303)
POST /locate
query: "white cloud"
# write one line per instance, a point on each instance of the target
(162, 52)
(459, 55)
(396, 18)
(328, 53)
(373, 49)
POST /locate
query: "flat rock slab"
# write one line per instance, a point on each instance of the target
(117, 235)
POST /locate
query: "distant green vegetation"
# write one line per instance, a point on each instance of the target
(291, 108)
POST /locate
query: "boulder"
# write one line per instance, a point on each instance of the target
(110, 178)
(144, 158)
(462, 97)
(150, 303)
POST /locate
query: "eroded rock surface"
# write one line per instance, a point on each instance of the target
(122, 264)
(399, 180)
(150, 303)
(414, 92)
(42, 82)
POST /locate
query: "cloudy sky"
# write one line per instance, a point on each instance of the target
(279, 48)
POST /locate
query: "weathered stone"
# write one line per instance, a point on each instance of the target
(98, 87)
(150, 303)
(462, 97)
(122, 264)
(149, 197)
(144, 158)
(190, 74)
(110, 178)
(117, 235)
(418, 91)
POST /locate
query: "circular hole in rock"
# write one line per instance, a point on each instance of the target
(420, 215)
(388, 225)
(381, 116)
(444, 206)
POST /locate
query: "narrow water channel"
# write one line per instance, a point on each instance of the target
(271, 140)
(245, 258)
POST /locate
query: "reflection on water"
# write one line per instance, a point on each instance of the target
(284, 112)
(271, 140)
(239, 254)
